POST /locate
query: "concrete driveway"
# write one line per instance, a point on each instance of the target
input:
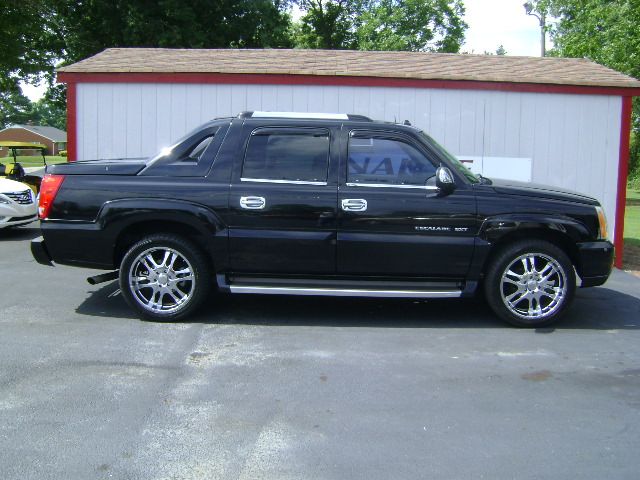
(310, 388)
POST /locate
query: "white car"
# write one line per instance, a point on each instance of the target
(18, 204)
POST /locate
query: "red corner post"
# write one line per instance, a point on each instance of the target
(72, 139)
(623, 171)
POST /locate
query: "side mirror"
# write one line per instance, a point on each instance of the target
(444, 180)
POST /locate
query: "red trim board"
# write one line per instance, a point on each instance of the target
(623, 171)
(72, 130)
(278, 79)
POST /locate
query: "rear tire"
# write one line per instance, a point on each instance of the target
(530, 283)
(165, 277)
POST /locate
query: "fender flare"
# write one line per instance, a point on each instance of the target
(116, 216)
(495, 228)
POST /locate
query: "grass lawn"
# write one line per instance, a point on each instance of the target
(34, 161)
(632, 231)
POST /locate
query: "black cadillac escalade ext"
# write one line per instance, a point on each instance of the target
(319, 204)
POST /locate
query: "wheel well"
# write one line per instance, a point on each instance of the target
(137, 231)
(559, 239)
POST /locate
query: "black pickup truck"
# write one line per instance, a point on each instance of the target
(319, 204)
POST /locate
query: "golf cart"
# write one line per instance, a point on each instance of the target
(15, 171)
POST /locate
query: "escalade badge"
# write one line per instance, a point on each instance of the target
(433, 228)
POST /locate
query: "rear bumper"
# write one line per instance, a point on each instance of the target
(595, 262)
(40, 252)
(79, 244)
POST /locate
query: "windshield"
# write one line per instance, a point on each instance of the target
(453, 161)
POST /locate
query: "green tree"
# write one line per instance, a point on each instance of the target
(607, 32)
(417, 25)
(51, 109)
(327, 24)
(499, 51)
(634, 160)
(91, 26)
(29, 46)
(604, 31)
(28, 42)
(35, 35)
(15, 108)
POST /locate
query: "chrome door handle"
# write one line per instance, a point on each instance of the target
(252, 203)
(354, 204)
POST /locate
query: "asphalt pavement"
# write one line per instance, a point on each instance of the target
(310, 388)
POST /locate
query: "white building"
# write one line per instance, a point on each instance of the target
(555, 121)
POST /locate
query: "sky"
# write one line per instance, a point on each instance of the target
(491, 23)
(501, 22)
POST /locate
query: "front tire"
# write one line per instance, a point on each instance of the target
(530, 283)
(164, 277)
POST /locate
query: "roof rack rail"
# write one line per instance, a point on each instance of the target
(305, 115)
(359, 118)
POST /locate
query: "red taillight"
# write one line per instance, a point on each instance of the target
(48, 189)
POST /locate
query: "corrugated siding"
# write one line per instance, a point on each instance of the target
(573, 140)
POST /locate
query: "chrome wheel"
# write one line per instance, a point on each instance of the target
(161, 280)
(533, 286)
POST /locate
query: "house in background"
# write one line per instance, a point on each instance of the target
(54, 138)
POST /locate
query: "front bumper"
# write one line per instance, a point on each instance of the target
(595, 262)
(40, 252)
(17, 221)
(14, 214)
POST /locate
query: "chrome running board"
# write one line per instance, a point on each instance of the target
(346, 292)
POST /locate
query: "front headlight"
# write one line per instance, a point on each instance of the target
(602, 221)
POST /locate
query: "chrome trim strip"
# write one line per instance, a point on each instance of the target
(62, 220)
(303, 115)
(290, 182)
(384, 185)
(347, 292)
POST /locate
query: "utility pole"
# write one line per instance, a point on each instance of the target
(529, 8)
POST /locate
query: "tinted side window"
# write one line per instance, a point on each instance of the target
(287, 156)
(387, 161)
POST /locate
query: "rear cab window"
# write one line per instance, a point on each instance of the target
(287, 155)
(191, 156)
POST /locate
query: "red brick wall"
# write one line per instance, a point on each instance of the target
(22, 135)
